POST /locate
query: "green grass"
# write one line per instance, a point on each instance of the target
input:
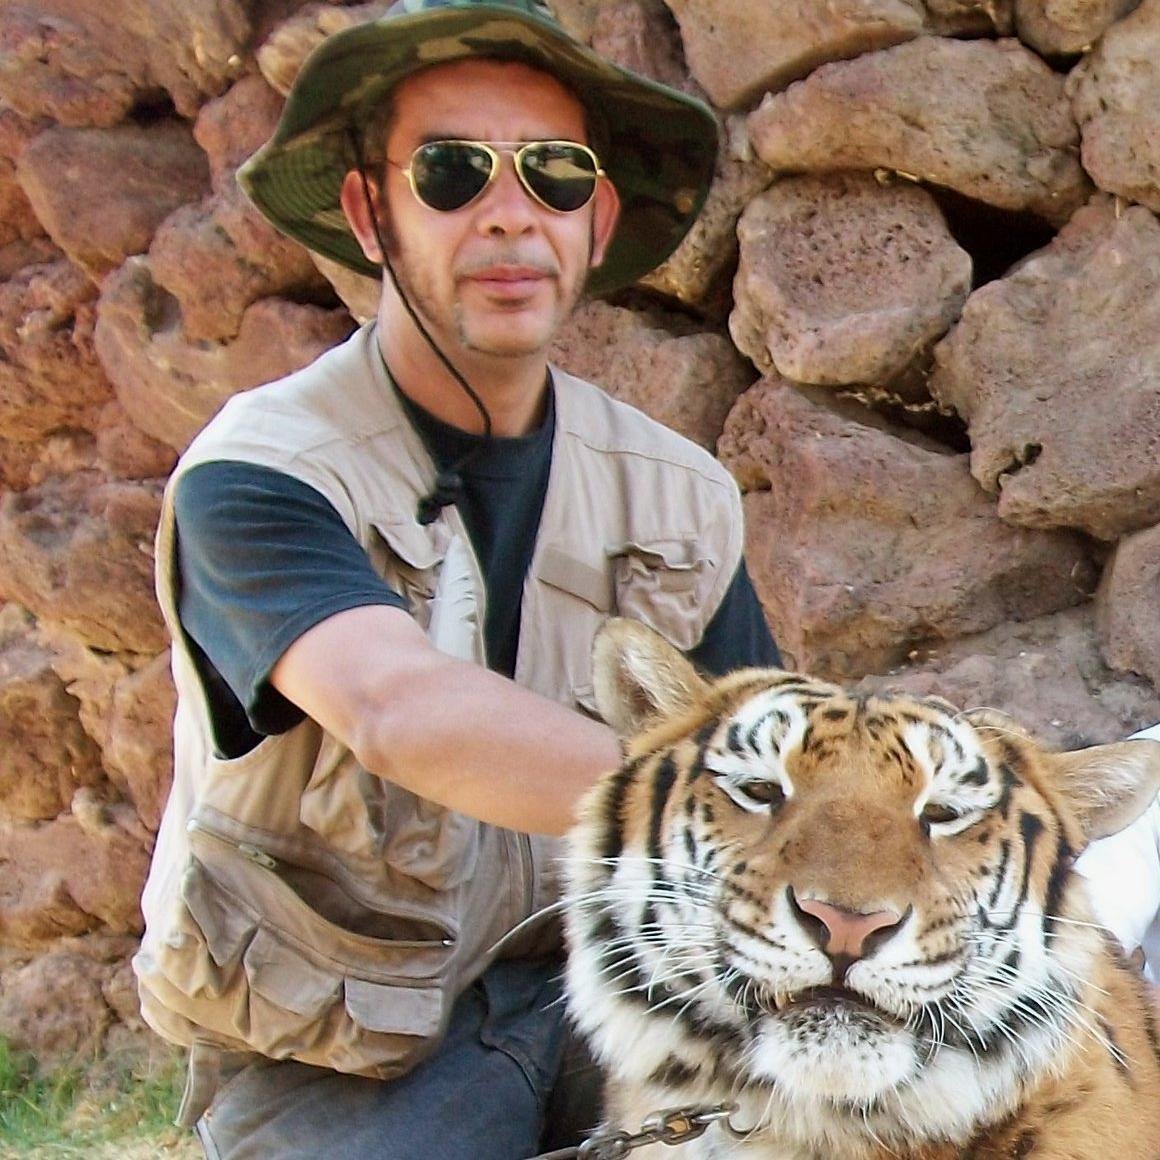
(108, 1109)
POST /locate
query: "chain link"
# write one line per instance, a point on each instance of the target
(672, 1126)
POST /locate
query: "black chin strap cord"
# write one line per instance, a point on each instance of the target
(448, 486)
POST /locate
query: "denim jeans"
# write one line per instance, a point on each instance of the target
(489, 1092)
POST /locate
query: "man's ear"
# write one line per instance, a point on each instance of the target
(353, 200)
(605, 215)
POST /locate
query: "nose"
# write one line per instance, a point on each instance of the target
(844, 936)
(506, 206)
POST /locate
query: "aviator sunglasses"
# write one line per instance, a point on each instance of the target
(449, 175)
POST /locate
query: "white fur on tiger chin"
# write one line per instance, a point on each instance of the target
(833, 1091)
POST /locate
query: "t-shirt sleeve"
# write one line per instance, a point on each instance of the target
(261, 558)
(738, 636)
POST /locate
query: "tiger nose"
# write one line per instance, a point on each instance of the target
(843, 935)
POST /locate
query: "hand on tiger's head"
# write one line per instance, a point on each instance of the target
(855, 916)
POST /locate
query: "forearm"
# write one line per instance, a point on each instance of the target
(474, 741)
(447, 730)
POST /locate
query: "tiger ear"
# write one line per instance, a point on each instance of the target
(638, 677)
(1109, 786)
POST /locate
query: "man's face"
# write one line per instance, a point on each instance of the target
(498, 276)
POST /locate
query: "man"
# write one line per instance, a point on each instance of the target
(383, 576)
(1123, 881)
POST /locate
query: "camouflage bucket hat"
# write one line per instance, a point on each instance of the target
(656, 144)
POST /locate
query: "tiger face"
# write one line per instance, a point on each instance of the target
(853, 915)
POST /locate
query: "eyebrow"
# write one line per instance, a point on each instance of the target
(430, 138)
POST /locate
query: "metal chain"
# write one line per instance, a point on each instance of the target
(672, 1126)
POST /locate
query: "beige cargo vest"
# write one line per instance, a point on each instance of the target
(303, 908)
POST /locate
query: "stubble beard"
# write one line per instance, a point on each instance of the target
(424, 303)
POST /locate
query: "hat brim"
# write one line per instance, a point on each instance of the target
(659, 146)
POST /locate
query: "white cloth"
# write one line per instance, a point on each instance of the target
(1123, 874)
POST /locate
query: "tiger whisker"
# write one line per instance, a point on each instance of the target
(1043, 1002)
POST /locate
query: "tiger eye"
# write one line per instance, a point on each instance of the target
(768, 793)
(934, 813)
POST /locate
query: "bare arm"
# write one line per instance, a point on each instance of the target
(448, 730)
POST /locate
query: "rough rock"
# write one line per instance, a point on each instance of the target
(641, 36)
(119, 990)
(90, 675)
(281, 54)
(1063, 27)
(1115, 93)
(970, 17)
(844, 280)
(1126, 606)
(232, 126)
(1056, 364)
(738, 50)
(1046, 673)
(124, 451)
(220, 255)
(15, 255)
(987, 119)
(102, 193)
(83, 63)
(688, 381)
(117, 449)
(18, 222)
(60, 1007)
(50, 377)
(24, 464)
(578, 17)
(79, 550)
(127, 709)
(82, 872)
(139, 750)
(864, 545)
(699, 270)
(51, 66)
(170, 386)
(54, 1008)
(47, 753)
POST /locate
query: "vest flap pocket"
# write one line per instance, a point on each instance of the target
(676, 563)
(569, 573)
(662, 583)
(287, 979)
(225, 927)
(399, 1010)
(414, 545)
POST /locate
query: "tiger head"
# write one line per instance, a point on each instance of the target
(848, 912)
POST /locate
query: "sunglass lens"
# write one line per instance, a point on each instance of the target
(448, 174)
(561, 175)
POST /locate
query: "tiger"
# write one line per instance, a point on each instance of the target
(851, 920)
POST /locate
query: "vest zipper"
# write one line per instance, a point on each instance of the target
(247, 849)
(261, 858)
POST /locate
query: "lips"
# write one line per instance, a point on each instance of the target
(819, 1000)
(511, 283)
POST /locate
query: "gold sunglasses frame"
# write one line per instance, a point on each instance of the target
(496, 150)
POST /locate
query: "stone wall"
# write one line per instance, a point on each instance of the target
(919, 320)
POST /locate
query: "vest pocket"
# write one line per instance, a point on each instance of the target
(261, 968)
(662, 583)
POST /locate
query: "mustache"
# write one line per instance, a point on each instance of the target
(508, 256)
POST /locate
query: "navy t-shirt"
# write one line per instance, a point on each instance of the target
(262, 557)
